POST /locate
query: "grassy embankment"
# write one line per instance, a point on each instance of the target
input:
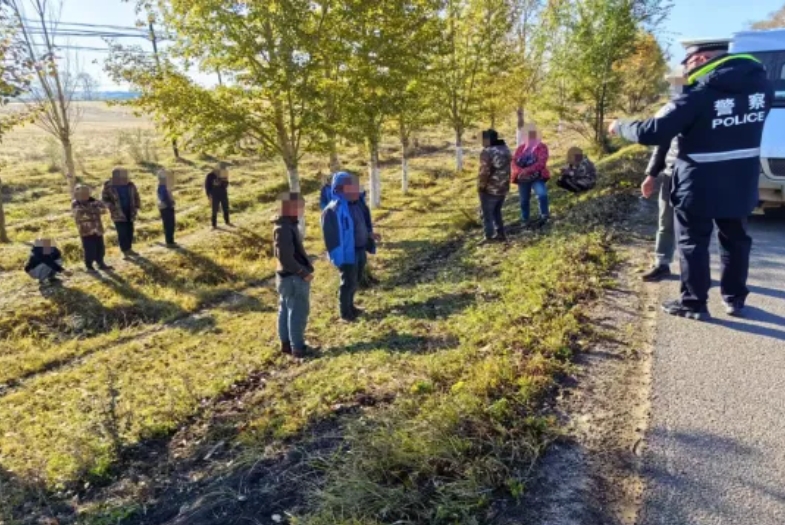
(435, 393)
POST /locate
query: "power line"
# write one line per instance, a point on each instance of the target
(80, 24)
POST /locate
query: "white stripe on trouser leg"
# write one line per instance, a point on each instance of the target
(721, 156)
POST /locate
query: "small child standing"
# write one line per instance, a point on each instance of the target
(166, 206)
(87, 214)
(45, 262)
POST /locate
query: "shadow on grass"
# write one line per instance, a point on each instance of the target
(394, 342)
(432, 309)
(211, 273)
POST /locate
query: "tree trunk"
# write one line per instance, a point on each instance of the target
(335, 162)
(293, 175)
(519, 138)
(3, 233)
(375, 175)
(175, 149)
(459, 150)
(404, 161)
(70, 165)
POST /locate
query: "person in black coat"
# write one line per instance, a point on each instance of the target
(216, 185)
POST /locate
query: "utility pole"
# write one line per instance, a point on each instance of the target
(154, 40)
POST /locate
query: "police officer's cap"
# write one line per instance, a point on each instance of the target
(705, 48)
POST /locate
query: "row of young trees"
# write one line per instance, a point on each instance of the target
(303, 74)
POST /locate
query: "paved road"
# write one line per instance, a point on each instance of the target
(716, 445)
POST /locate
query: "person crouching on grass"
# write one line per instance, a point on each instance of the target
(122, 199)
(87, 214)
(45, 262)
(579, 175)
(166, 206)
(294, 273)
(348, 237)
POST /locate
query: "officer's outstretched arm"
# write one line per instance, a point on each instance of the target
(677, 116)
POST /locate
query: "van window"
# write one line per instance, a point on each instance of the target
(775, 65)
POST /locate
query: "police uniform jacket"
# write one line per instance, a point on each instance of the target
(718, 123)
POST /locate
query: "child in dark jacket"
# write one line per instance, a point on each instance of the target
(87, 214)
(45, 262)
(216, 185)
(166, 206)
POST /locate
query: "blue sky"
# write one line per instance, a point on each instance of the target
(688, 19)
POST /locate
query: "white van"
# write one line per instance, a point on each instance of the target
(768, 47)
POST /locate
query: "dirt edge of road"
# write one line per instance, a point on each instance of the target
(592, 474)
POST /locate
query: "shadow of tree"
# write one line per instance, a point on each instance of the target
(395, 342)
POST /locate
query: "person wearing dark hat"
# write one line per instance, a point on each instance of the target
(719, 124)
(493, 183)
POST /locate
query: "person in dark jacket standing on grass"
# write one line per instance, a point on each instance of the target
(166, 206)
(661, 166)
(294, 273)
(719, 123)
(45, 262)
(493, 184)
(87, 214)
(122, 198)
(216, 185)
(349, 237)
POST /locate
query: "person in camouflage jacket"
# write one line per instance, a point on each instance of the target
(579, 175)
(87, 214)
(493, 183)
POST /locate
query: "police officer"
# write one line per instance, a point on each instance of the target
(719, 122)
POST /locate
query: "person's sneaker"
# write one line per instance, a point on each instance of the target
(656, 273)
(676, 308)
(348, 319)
(172, 245)
(286, 348)
(734, 308)
(91, 270)
(357, 312)
(499, 237)
(542, 221)
(105, 267)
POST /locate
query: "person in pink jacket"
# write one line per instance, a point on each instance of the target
(530, 172)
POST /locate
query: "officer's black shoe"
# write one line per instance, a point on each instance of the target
(680, 310)
(734, 308)
(657, 274)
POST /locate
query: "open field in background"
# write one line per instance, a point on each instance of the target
(115, 389)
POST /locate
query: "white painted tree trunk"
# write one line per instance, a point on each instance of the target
(375, 178)
(458, 151)
(404, 175)
(294, 187)
(3, 233)
(335, 162)
(70, 165)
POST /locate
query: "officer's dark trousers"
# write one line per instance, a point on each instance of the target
(220, 200)
(694, 237)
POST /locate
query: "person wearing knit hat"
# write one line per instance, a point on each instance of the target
(349, 238)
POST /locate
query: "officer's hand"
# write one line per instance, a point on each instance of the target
(308, 278)
(68, 273)
(377, 237)
(612, 128)
(647, 188)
